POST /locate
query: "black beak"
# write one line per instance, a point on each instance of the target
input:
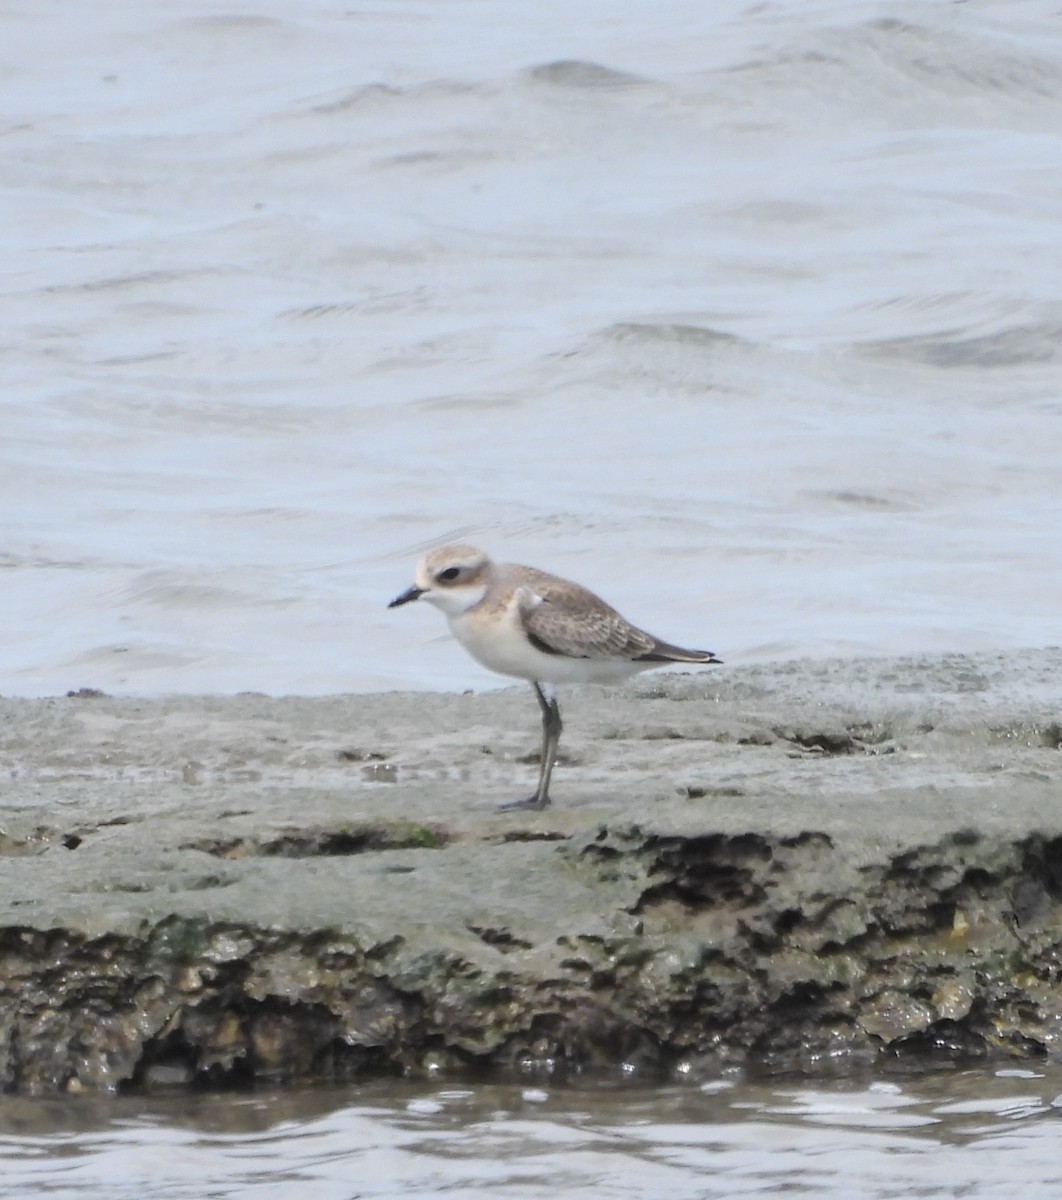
(413, 593)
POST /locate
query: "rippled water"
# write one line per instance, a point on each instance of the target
(980, 1134)
(746, 314)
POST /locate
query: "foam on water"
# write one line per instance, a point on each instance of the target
(745, 315)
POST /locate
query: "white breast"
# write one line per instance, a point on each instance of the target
(496, 639)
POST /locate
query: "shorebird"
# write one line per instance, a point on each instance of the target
(524, 622)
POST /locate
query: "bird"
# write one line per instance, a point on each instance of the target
(527, 623)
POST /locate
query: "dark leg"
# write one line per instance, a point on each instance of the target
(551, 731)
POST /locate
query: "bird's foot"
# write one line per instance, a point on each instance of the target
(533, 803)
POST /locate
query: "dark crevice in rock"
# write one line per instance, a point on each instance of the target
(706, 871)
(943, 1040)
(502, 939)
(821, 741)
(808, 839)
(317, 842)
(1042, 861)
(531, 835)
(697, 791)
(787, 920)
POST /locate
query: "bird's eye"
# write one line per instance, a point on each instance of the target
(449, 574)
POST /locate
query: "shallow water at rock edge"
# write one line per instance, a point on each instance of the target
(983, 1134)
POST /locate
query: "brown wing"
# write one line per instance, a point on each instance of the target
(577, 624)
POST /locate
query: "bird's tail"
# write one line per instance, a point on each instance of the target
(664, 652)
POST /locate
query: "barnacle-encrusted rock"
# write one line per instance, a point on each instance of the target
(820, 864)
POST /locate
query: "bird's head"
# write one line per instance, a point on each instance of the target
(453, 578)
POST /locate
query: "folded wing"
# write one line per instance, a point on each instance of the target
(556, 627)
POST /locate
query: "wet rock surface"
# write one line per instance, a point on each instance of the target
(791, 867)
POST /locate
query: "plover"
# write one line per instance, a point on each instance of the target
(524, 622)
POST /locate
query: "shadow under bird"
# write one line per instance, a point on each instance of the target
(524, 622)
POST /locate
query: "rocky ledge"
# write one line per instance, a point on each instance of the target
(788, 866)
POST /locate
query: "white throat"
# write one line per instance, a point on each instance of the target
(456, 600)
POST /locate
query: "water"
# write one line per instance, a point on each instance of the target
(981, 1134)
(758, 298)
